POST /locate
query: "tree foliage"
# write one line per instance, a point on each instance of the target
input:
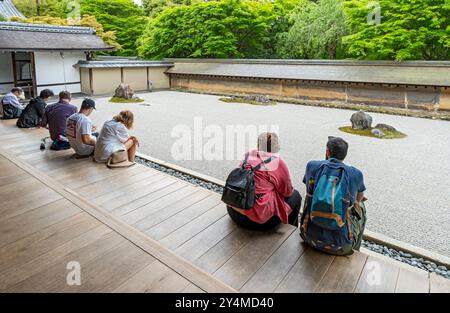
(123, 17)
(409, 30)
(53, 8)
(87, 21)
(316, 31)
(216, 29)
(154, 7)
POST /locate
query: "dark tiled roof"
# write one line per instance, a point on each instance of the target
(386, 72)
(7, 9)
(35, 37)
(122, 63)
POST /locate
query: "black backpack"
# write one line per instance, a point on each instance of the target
(239, 190)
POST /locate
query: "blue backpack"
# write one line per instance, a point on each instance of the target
(327, 209)
(328, 213)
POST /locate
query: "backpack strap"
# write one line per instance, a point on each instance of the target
(257, 167)
(245, 160)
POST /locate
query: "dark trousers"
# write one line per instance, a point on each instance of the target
(243, 221)
(10, 111)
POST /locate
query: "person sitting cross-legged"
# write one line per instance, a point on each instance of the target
(275, 199)
(114, 138)
(32, 114)
(55, 116)
(80, 130)
(11, 106)
(334, 215)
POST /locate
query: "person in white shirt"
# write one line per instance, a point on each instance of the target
(12, 108)
(114, 137)
(80, 129)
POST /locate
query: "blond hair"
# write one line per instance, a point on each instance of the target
(126, 118)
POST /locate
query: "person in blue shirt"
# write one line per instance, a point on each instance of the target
(330, 241)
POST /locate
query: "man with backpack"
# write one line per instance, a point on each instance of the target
(32, 114)
(259, 194)
(334, 214)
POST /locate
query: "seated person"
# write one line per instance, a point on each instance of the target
(114, 137)
(334, 215)
(56, 115)
(12, 108)
(32, 114)
(80, 128)
(276, 200)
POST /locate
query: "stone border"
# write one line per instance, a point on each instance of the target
(440, 115)
(374, 237)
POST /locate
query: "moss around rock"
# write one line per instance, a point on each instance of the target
(243, 100)
(389, 134)
(122, 100)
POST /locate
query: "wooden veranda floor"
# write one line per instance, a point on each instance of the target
(137, 229)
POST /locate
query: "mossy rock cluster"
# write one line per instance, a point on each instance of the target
(247, 99)
(388, 134)
(122, 100)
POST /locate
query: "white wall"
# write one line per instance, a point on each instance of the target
(6, 72)
(55, 69)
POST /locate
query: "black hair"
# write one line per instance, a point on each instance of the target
(87, 104)
(17, 89)
(338, 148)
(46, 93)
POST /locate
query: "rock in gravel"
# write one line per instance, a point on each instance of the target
(377, 132)
(385, 127)
(361, 120)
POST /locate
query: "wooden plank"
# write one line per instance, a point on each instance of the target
(162, 197)
(191, 288)
(22, 225)
(123, 261)
(241, 266)
(44, 261)
(193, 227)
(159, 185)
(154, 213)
(111, 184)
(343, 274)
(155, 277)
(25, 197)
(53, 278)
(307, 272)
(377, 276)
(270, 275)
(205, 240)
(439, 284)
(221, 252)
(412, 281)
(176, 221)
(41, 242)
(166, 186)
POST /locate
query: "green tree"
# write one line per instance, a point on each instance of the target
(53, 8)
(123, 17)
(87, 21)
(216, 29)
(408, 30)
(316, 32)
(154, 7)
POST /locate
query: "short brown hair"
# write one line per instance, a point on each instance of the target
(126, 118)
(65, 95)
(268, 142)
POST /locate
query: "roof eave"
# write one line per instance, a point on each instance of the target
(60, 49)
